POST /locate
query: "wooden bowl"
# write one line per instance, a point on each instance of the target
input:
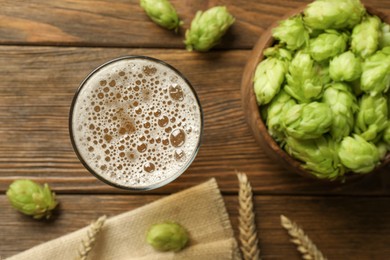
(252, 112)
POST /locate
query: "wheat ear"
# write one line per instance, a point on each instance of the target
(304, 244)
(248, 235)
(89, 240)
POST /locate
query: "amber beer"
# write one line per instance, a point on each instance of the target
(136, 123)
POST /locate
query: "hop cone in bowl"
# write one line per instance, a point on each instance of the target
(327, 45)
(292, 32)
(319, 156)
(269, 76)
(376, 73)
(343, 105)
(305, 78)
(345, 67)
(358, 155)
(372, 116)
(365, 36)
(333, 14)
(307, 121)
(279, 105)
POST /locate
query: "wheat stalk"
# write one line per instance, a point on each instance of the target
(88, 242)
(304, 244)
(248, 235)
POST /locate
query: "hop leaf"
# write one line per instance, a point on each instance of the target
(32, 199)
(307, 121)
(162, 12)
(365, 36)
(376, 73)
(305, 78)
(269, 76)
(279, 105)
(384, 37)
(343, 105)
(333, 14)
(292, 32)
(327, 45)
(167, 236)
(319, 156)
(371, 118)
(207, 28)
(358, 155)
(345, 67)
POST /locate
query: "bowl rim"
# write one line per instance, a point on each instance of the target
(252, 110)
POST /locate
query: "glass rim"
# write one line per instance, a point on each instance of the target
(117, 185)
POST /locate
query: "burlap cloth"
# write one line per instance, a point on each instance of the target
(200, 210)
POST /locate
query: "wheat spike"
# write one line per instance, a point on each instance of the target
(248, 235)
(304, 244)
(89, 240)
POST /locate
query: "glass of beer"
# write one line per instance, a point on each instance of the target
(136, 123)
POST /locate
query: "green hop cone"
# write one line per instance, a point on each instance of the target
(279, 105)
(333, 14)
(365, 36)
(162, 12)
(371, 118)
(343, 105)
(207, 28)
(376, 73)
(305, 78)
(167, 236)
(358, 155)
(292, 32)
(319, 156)
(307, 121)
(345, 67)
(269, 76)
(384, 37)
(31, 198)
(278, 52)
(382, 149)
(327, 45)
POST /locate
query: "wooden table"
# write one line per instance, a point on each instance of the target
(48, 47)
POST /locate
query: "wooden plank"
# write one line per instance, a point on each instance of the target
(36, 88)
(342, 227)
(123, 22)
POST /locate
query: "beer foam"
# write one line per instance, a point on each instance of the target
(136, 123)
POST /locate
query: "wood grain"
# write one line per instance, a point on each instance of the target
(37, 85)
(123, 22)
(342, 227)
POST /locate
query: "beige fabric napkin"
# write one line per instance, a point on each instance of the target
(200, 209)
